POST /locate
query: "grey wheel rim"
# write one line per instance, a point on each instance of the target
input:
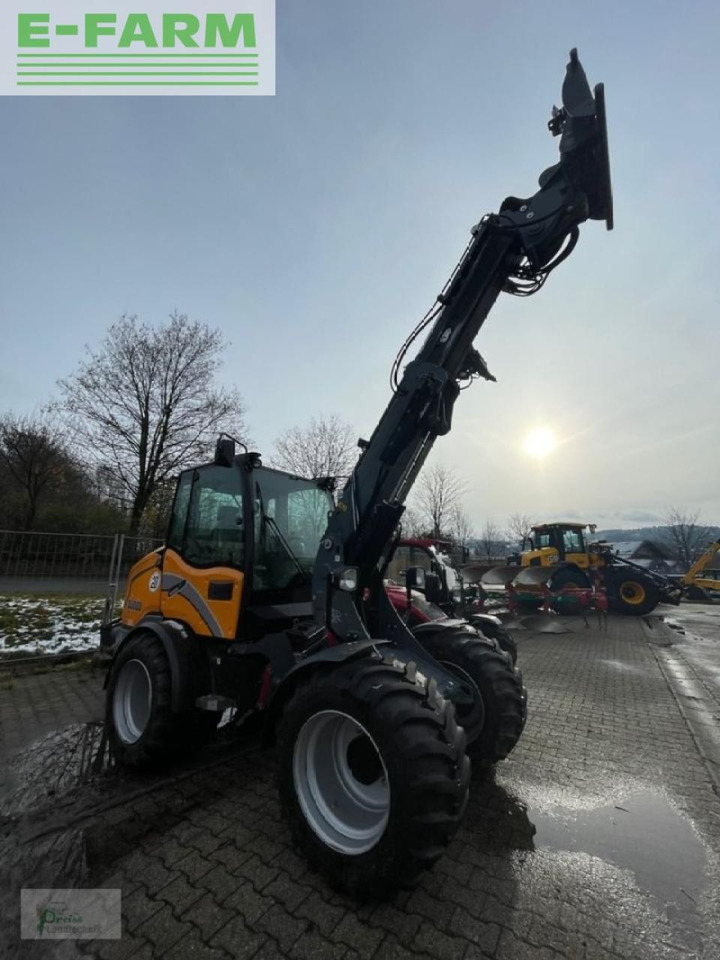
(341, 782)
(132, 701)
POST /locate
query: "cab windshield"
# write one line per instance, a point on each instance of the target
(290, 517)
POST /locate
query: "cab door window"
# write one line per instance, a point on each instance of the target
(176, 530)
(406, 556)
(399, 564)
(573, 541)
(214, 529)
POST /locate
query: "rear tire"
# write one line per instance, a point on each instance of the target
(569, 577)
(629, 594)
(373, 774)
(494, 724)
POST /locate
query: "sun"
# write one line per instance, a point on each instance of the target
(540, 443)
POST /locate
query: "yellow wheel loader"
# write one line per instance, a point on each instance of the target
(563, 563)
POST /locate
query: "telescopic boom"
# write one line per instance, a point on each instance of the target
(513, 251)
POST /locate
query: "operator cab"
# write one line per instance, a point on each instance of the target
(240, 550)
(555, 542)
(442, 583)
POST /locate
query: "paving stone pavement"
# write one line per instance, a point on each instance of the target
(32, 705)
(207, 870)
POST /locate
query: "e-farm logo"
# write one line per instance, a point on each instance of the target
(146, 47)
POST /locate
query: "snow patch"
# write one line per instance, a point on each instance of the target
(36, 626)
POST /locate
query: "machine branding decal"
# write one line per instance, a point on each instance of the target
(154, 582)
(180, 586)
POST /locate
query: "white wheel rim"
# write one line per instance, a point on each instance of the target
(132, 701)
(341, 782)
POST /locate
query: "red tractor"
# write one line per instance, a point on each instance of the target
(439, 599)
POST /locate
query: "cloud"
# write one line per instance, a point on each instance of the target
(640, 516)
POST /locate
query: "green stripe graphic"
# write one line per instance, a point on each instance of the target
(131, 66)
(137, 73)
(192, 55)
(136, 83)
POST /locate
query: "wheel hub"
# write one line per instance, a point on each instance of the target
(341, 782)
(363, 760)
(632, 592)
(132, 701)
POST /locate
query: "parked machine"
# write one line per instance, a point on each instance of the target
(262, 602)
(561, 563)
(442, 597)
(695, 585)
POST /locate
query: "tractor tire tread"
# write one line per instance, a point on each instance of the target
(420, 737)
(506, 713)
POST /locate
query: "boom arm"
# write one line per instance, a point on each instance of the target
(513, 250)
(692, 576)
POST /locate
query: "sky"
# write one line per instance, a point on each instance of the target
(315, 227)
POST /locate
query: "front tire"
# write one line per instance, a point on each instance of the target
(494, 631)
(373, 774)
(142, 730)
(495, 721)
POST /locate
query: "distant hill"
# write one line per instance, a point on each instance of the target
(641, 533)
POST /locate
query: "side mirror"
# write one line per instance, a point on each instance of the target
(415, 578)
(224, 452)
(434, 590)
(347, 579)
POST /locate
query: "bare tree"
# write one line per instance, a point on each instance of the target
(144, 403)
(412, 525)
(490, 541)
(35, 461)
(519, 528)
(685, 536)
(461, 527)
(326, 447)
(439, 491)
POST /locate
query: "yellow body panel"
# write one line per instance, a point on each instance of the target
(707, 583)
(579, 559)
(142, 592)
(163, 583)
(186, 597)
(544, 557)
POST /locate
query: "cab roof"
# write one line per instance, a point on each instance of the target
(572, 524)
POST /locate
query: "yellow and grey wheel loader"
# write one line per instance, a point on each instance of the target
(562, 564)
(269, 599)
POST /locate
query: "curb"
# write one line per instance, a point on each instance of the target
(695, 729)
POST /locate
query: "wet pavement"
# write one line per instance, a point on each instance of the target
(698, 639)
(598, 838)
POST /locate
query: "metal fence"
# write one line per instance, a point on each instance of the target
(27, 556)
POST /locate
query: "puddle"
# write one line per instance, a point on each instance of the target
(540, 623)
(622, 667)
(643, 834)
